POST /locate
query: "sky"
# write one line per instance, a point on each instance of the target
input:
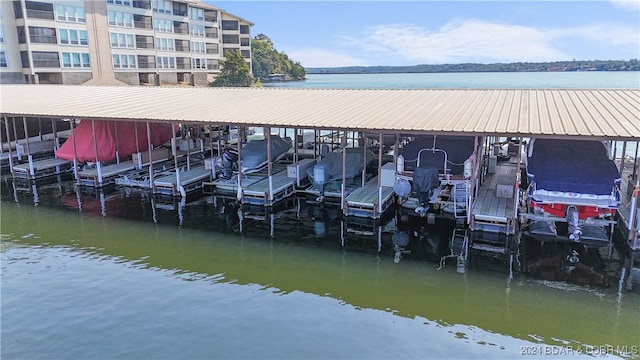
(396, 33)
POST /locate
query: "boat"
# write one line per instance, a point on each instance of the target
(113, 140)
(254, 155)
(329, 168)
(574, 182)
(435, 174)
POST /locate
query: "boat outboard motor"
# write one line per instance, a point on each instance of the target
(574, 223)
(229, 157)
(424, 181)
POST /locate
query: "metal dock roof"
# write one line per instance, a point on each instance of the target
(580, 113)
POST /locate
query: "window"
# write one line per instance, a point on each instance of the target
(44, 59)
(75, 60)
(196, 30)
(229, 25)
(166, 62)
(244, 29)
(42, 35)
(123, 61)
(121, 40)
(3, 59)
(199, 64)
(244, 41)
(120, 2)
(165, 44)
(73, 37)
(161, 6)
(163, 25)
(230, 39)
(70, 13)
(196, 14)
(122, 19)
(198, 47)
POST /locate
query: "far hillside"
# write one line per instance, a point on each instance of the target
(589, 65)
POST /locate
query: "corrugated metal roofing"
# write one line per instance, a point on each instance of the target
(604, 114)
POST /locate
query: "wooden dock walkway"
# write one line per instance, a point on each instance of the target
(365, 201)
(41, 168)
(190, 180)
(109, 173)
(494, 208)
(257, 193)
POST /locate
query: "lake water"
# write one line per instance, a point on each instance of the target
(121, 274)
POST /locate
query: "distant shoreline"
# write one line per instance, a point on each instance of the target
(558, 66)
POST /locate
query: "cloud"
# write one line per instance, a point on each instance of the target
(485, 42)
(314, 57)
(631, 5)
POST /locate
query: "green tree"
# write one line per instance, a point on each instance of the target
(234, 72)
(266, 60)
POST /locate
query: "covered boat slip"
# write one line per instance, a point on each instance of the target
(567, 114)
(181, 182)
(371, 200)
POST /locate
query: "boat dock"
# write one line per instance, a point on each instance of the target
(465, 184)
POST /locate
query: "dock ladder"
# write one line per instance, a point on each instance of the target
(459, 247)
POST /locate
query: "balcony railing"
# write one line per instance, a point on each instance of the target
(143, 24)
(210, 18)
(177, 30)
(213, 51)
(40, 39)
(146, 65)
(182, 48)
(142, 4)
(46, 63)
(144, 45)
(183, 66)
(213, 33)
(40, 14)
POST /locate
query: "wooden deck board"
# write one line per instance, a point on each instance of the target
(109, 170)
(487, 203)
(41, 164)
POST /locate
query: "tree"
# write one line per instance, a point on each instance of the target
(234, 72)
(267, 60)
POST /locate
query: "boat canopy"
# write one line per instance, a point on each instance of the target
(572, 166)
(112, 136)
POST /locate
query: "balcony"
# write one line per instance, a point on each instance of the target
(41, 39)
(144, 45)
(142, 4)
(183, 66)
(146, 65)
(210, 18)
(46, 63)
(211, 33)
(213, 51)
(40, 14)
(143, 25)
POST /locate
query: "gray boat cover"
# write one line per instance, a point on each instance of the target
(331, 165)
(424, 181)
(254, 154)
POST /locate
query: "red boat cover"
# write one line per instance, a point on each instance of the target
(106, 139)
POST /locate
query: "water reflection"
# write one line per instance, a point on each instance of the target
(311, 249)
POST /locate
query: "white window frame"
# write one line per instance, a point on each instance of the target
(122, 40)
(196, 30)
(124, 61)
(196, 13)
(80, 41)
(167, 25)
(70, 13)
(120, 19)
(199, 63)
(83, 60)
(198, 47)
(3, 60)
(165, 44)
(162, 6)
(165, 62)
(119, 2)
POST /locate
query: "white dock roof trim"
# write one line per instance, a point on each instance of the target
(604, 114)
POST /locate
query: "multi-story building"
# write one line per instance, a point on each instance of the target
(133, 42)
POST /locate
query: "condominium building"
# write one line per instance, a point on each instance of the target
(108, 42)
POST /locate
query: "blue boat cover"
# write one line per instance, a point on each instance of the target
(579, 166)
(254, 154)
(458, 149)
